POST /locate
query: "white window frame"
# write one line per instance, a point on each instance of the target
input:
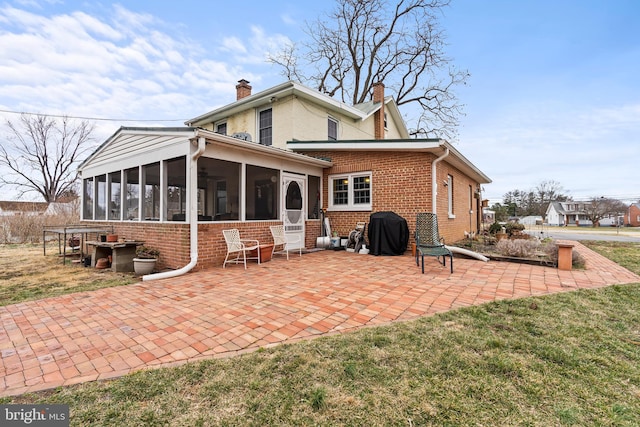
(351, 205)
(259, 129)
(450, 200)
(332, 120)
(217, 124)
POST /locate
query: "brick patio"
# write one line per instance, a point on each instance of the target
(219, 313)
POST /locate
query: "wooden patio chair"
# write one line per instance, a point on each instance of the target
(287, 243)
(239, 247)
(428, 240)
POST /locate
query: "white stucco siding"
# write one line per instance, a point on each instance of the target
(296, 118)
(393, 130)
(311, 123)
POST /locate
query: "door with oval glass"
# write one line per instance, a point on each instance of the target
(293, 208)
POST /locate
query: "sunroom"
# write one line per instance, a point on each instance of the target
(176, 189)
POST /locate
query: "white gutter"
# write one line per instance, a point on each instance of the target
(193, 218)
(434, 180)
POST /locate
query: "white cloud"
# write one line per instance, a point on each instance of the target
(116, 64)
(584, 148)
(233, 45)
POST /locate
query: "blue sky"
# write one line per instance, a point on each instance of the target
(553, 93)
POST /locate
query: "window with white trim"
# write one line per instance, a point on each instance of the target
(265, 127)
(350, 192)
(332, 132)
(450, 196)
(221, 128)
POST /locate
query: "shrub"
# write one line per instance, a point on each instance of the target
(522, 248)
(22, 228)
(514, 228)
(495, 228)
(145, 252)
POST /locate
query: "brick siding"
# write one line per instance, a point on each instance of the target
(401, 182)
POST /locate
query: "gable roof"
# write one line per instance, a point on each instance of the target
(126, 139)
(356, 112)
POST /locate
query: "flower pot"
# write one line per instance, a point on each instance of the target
(112, 238)
(102, 263)
(143, 266)
(265, 253)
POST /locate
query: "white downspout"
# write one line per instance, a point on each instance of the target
(193, 218)
(434, 180)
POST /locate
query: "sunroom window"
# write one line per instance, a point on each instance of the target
(218, 190)
(101, 197)
(115, 195)
(87, 208)
(262, 193)
(151, 175)
(132, 196)
(176, 195)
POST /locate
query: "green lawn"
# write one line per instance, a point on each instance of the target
(565, 359)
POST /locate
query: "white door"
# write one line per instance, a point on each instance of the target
(293, 203)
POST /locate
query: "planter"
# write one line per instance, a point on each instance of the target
(102, 263)
(112, 238)
(265, 253)
(143, 266)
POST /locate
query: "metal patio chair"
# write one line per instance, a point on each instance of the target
(428, 240)
(239, 247)
(288, 243)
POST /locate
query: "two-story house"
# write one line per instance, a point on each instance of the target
(632, 216)
(275, 157)
(567, 213)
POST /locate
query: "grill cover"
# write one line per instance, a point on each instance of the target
(388, 234)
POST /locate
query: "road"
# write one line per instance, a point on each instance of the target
(575, 233)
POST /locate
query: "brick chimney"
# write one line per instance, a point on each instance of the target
(243, 89)
(378, 117)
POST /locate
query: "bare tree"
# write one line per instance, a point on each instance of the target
(545, 193)
(602, 207)
(398, 43)
(41, 155)
(535, 201)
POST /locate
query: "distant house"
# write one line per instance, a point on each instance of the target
(280, 156)
(567, 213)
(11, 208)
(632, 216)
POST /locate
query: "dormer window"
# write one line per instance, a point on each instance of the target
(332, 133)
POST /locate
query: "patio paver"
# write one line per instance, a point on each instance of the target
(211, 313)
